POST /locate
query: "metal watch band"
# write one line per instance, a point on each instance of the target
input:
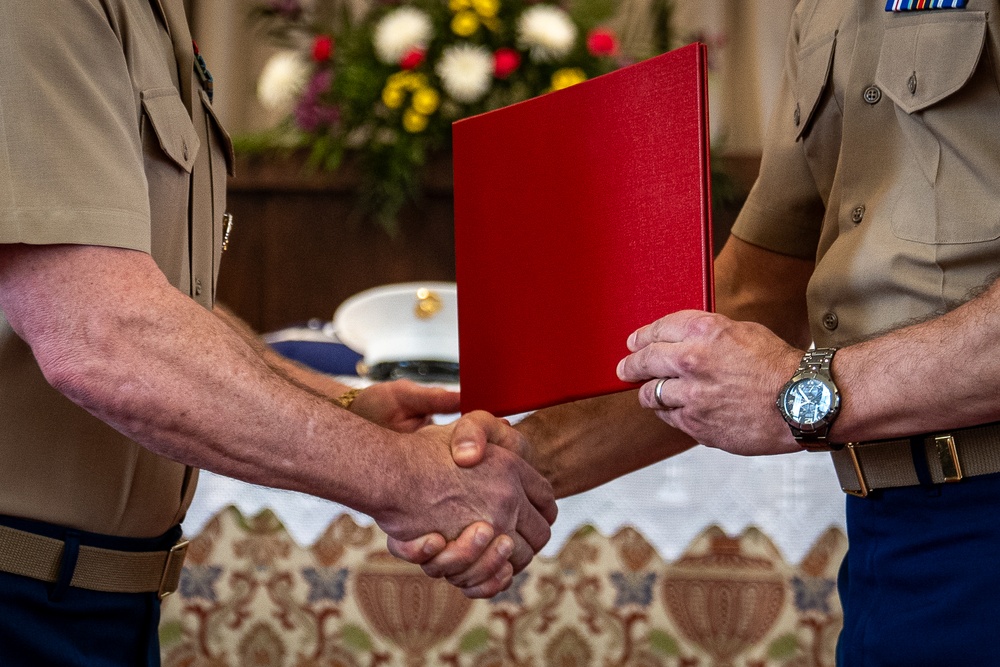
(817, 360)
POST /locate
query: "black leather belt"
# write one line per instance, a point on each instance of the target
(951, 456)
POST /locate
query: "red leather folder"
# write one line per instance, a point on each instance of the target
(580, 216)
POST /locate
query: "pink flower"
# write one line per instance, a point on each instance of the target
(322, 48)
(412, 59)
(602, 42)
(505, 62)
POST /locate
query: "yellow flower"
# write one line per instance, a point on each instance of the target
(393, 96)
(416, 81)
(459, 5)
(486, 8)
(397, 79)
(426, 101)
(414, 121)
(465, 23)
(566, 77)
(406, 80)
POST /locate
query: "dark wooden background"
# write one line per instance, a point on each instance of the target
(298, 248)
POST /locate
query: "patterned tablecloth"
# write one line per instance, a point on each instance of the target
(792, 498)
(292, 582)
(701, 560)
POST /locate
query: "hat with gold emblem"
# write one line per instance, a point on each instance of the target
(404, 330)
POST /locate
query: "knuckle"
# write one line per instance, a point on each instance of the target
(702, 324)
(689, 360)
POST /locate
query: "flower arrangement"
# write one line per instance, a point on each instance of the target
(383, 89)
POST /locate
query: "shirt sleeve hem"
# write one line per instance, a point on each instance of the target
(115, 228)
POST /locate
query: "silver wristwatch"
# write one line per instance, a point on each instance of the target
(809, 402)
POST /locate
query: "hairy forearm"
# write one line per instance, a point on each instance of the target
(169, 374)
(940, 374)
(320, 384)
(581, 445)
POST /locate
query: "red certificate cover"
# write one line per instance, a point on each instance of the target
(580, 216)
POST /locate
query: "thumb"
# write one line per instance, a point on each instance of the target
(469, 438)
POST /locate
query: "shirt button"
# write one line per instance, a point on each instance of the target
(872, 94)
(858, 214)
(197, 287)
(797, 116)
(830, 321)
(911, 84)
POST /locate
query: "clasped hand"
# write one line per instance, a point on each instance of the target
(718, 379)
(495, 514)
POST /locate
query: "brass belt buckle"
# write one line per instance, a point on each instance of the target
(947, 453)
(172, 569)
(864, 490)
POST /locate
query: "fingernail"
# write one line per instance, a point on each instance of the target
(506, 547)
(465, 447)
(482, 537)
(620, 369)
(429, 547)
(631, 341)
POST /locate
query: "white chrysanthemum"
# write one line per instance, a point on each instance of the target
(401, 31)
(282, 80)
(466, 71)
(547, 32)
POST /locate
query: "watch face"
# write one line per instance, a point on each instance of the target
(808, 401)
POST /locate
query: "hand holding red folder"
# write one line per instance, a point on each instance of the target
(580, 216)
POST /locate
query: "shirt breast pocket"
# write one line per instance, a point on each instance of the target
(170, 147)
(947, 107)
(815, 67)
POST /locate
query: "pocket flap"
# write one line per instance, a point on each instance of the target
(220, 131)
(815, 64)
(925, 61)
(173, 126)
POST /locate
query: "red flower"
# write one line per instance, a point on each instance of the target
(602, 42)
(412, 59)
(322, 48)
(505, 62)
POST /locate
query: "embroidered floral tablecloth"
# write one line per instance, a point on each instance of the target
(250, 595)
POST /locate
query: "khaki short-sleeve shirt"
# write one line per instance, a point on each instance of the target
(106, 138)
(882, 162)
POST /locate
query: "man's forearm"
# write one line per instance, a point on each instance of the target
(322, 385)
(581, 445)
(940, 374)
(167, 373)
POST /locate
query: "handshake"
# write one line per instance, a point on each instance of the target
(465, 505)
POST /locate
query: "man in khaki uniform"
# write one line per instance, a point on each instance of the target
(874, 231)
(117, 381)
